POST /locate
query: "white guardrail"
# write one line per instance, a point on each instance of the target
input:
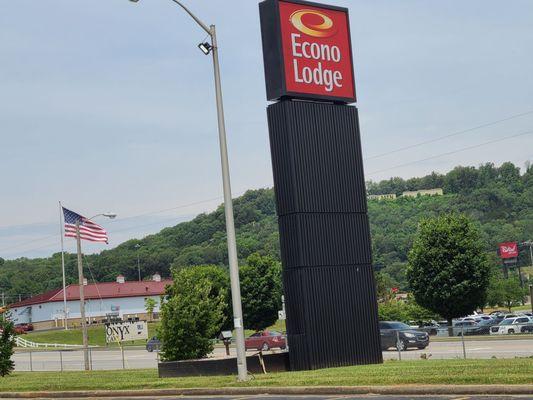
(21, 342)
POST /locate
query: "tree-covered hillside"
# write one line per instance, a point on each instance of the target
(499, 199)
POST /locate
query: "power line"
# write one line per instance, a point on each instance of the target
(21, 244)
(123, 229)
(451, 152)
(169, 209)
(28, 241)
(448, 135)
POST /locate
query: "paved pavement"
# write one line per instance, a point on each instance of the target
(361, 397)
(135, 358)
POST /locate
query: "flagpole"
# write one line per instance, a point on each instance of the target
(65, 316)
(82, 299)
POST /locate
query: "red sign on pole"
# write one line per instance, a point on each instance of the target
(508, 250)
(307, 51)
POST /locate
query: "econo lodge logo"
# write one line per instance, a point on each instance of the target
(316, 50)
(322, 29)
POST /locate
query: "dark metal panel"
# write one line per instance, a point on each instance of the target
(324, 234)
(315, 239)
(315, 148)
(340, 317)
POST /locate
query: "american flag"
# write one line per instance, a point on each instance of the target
(88, 229)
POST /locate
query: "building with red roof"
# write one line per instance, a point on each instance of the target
(119, 299)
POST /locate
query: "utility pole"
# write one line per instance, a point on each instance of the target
(531, 296)
(138, 246)
(530, 250)
(82, 299)
(3, 305)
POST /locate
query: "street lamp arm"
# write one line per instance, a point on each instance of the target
(198, 21)
(108, 215)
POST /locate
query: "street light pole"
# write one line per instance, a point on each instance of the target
(138, 246)
(228, 202)
(230, 224)
(82, 291)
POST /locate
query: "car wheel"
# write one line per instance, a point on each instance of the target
(510, 331)
(283, 347)
(149, 349)
(265, 347)
(421, 347)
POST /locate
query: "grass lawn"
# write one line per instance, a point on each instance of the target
(74, 336)
(456, 372)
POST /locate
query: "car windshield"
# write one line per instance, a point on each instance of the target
(398, 325)
(507, 321)
(274, 333)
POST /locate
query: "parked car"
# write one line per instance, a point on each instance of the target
(513, 325)
(465, 327)
(431, 327)
(476, 318)
(265, 340)
(154, 344)
(483, 327)
(21, 329)
(391, 331)
(24, 327)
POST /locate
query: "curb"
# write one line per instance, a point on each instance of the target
(303, 390)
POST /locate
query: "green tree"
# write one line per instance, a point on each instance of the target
(448, 271)
(261, 291)
(505, 292)
(192, 315)
(149, 305)
(7, 345)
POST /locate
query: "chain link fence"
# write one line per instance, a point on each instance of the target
(463, 346)
(73, 360)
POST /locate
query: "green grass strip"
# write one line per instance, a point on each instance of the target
(454, 372)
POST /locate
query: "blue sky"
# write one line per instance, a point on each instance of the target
(110, 105)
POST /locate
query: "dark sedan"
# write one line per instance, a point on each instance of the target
(401, 336)
(154, 344)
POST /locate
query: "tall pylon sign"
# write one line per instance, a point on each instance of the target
(328, 279)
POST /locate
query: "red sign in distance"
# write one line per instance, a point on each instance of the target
(509, 250)
(316, 51)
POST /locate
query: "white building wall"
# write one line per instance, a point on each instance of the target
(93, 308)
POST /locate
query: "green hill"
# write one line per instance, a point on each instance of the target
(499, 199)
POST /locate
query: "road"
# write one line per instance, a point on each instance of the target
(360, 397)
(135, 358)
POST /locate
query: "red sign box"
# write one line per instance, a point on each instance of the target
(307, 51)
(508, 250)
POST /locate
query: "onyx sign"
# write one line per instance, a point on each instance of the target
(307, 51)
